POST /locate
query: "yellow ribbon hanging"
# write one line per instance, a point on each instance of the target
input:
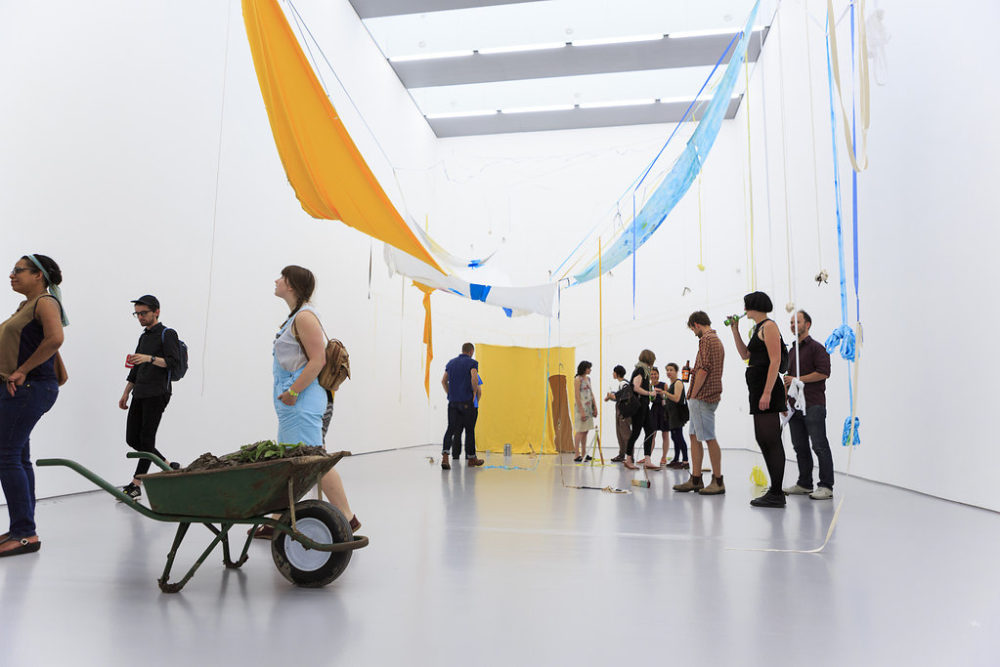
(428, 340)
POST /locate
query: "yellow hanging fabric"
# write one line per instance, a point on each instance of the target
(428, 340)
(329, 175)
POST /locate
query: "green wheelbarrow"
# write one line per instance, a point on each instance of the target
(312, 541)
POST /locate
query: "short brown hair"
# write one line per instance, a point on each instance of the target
(699, 317)
(468, 348)
(673, 365)
(647, 357)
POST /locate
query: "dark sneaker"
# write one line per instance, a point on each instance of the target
(716, 488)
(693, 484)
(132, 491)
(618, 459)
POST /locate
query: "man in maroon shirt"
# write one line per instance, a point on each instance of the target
(809, 361)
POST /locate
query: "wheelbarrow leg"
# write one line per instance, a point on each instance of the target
(223, 533)
(167, 587)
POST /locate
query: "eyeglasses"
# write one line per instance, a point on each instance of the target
(17, 269)
(141, 312)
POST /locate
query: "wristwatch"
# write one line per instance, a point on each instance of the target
(152, 358)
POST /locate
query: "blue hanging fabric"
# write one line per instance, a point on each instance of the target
(843, 336)
(845, 438)
(684, 171)
(479, 292)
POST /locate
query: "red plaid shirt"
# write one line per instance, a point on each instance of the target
(710, 357)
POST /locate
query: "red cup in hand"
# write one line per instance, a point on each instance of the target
(128, 364)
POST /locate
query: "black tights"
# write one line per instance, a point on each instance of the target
(767, 430)
(639, 424)
(680, 444)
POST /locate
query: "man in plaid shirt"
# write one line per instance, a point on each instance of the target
(703, 399)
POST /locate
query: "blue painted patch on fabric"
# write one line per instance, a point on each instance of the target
(509, 312)
(479, 292)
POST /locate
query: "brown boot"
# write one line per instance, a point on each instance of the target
(474, 463)
(445, 465)
(693, 484)
(717, 487)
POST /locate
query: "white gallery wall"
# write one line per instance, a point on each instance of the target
(112, 164)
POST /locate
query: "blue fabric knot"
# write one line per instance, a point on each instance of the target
(847, 431)
(842, 336)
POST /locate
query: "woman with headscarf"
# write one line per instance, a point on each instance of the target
(764, 351)
(584, 412)
(31, 372)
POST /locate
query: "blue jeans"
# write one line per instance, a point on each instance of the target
(812, 427)
(18, 415)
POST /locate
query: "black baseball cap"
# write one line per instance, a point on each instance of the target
(148, 300)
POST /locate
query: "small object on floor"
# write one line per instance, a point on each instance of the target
(772, 498)
(758, 477)
(618, 459)
(262, 532)
(25, 547)
(132, 491)
(174, 465)
(795, 490)
(644, 483)
(822, 493)
(474, 463)
(355, 524)
(716, 488)
(704, 470)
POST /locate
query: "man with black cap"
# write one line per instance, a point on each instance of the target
(156, 355)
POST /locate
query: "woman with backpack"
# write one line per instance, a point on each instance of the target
(623, 424)
(677, 416)
(766, 353)
(300, 401)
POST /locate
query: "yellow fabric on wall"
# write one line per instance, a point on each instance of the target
(515, 398)
(329, 175)
(428, 337)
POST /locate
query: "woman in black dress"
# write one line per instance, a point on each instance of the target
(765, 350)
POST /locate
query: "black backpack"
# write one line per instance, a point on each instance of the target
(627, 400)
(182, 350)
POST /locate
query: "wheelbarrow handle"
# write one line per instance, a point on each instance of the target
(101, 482)
(149, 457)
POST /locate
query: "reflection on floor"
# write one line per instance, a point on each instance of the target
(509, 567)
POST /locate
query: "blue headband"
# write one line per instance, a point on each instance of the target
(52, 287)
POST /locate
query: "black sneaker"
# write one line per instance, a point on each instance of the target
(132, 491)
(174, 465)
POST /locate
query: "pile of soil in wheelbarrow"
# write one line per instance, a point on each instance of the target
(265, 450)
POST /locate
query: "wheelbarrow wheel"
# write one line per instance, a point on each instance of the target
(321, 522)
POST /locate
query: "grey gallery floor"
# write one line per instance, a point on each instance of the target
(509, 567)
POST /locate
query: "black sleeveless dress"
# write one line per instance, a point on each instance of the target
(757, 375)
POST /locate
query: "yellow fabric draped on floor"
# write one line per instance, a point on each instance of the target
(329, 175)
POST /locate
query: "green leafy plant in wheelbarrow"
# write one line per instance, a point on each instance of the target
(313, 541)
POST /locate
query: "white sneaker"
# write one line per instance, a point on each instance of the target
(796, 490)
(821, 493)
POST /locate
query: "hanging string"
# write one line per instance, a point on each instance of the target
(812, 132)
(701, 242)
(862, 163)
(767, 175)
(215, 205)
(753, 254)
(784, 164)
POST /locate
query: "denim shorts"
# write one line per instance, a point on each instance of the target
(702, 419)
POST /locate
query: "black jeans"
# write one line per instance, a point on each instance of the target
(461, 417)
(140, 429)
(680, 444)
(812, 427)
(638, 424)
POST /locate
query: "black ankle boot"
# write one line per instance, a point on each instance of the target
(773, 498)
